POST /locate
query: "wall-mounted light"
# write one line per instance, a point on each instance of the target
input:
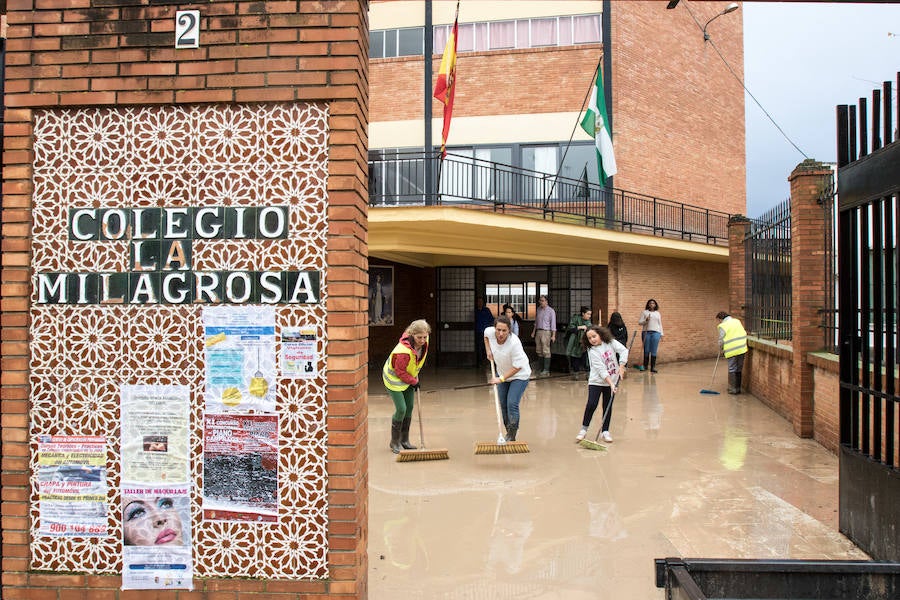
(730, 8)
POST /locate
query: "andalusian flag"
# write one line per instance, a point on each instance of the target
(445, 87)
(596, 124)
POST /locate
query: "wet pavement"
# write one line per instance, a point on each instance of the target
(688, 474)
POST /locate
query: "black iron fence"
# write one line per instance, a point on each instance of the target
(474, 183)
(768, 274)
(828, 200)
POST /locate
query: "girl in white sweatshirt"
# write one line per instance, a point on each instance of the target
(606, 369)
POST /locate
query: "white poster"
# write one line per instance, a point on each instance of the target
(72, 486)
(155, 425)
(240, 359)
(298, 353)
(156, 538)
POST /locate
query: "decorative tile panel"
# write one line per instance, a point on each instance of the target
(179, 156)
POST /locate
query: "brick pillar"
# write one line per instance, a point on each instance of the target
(738, 228)
(807, 181)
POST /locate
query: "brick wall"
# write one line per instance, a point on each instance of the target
(688, 292)
(678, 114)
(488, 83)
(66, 53)
(826, 379)
(767, 375)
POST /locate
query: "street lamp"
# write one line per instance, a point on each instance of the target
(730, 8)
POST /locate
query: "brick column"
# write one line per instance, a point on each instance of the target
(738, 227)
(807, 181)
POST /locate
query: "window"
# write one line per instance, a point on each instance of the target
(503, 35)
(543, 32)
(522, 296)
(411, 42)
(489, 35)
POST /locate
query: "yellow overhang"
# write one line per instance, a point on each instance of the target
(440, 236)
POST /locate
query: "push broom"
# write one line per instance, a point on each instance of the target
(502, 446)
(422, 453)
(711, 381)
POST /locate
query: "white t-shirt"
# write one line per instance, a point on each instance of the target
(508, 355)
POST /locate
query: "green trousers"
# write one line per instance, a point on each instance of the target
(403, 403)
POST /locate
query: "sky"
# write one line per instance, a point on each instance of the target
(802, 59)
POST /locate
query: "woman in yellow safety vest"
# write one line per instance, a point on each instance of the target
(401, 378)
(733, 341)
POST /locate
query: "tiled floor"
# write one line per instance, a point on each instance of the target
(689, 474)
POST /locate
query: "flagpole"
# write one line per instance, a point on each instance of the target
(572, 136)
(429, 68)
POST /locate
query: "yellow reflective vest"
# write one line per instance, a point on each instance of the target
(390, 378)
(735, 340)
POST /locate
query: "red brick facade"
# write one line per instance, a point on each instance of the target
(678, 114)
(689, 294)
(79, 53)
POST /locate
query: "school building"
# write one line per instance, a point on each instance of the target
(500, 223)
(162, 163)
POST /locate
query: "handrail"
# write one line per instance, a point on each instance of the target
(398, 180)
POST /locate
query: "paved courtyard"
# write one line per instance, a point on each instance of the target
(688, 474)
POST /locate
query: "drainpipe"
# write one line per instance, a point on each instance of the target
(607, 93)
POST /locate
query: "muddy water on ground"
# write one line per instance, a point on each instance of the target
(688, 474)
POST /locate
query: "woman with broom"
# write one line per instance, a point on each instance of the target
(512, 371)
(401, 378)
(602, 349)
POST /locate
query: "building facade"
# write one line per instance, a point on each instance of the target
(523, 77)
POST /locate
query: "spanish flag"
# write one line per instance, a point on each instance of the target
(445, 87)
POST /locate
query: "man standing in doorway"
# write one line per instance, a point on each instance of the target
(484, 318)
(733, 341)
(544, 332)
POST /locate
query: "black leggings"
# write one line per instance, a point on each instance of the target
(594, 392)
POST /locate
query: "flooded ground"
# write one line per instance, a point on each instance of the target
(688, 474)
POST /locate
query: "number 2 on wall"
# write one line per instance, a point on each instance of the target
(187, 29)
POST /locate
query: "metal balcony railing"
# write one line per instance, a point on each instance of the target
(399, 180)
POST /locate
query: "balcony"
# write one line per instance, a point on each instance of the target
(472, 183)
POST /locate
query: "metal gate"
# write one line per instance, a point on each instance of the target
(868, 265)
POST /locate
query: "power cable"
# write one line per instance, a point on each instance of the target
(741, 81)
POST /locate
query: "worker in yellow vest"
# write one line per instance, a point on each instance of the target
(401, 378)
(733, 342)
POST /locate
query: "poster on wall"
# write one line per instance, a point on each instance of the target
(298, 353)
(72, 485)
(155, 421)
(240, 468)
(381, 295)
(156, 538)
(240, 359)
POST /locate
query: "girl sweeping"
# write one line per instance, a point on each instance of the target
(606, 370)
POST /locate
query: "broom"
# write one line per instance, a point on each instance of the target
(421, 453)
(596, 445)
(705, 391)
(502, 446)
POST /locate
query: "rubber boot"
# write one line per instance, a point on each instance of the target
(646, 362)
(653, 364)
(546, 368)
(737, 383)
(732, 383)
(395, 436)
(511, 432)
(404, 434)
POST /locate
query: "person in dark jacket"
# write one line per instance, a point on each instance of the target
(575, 331)
(617, 327)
